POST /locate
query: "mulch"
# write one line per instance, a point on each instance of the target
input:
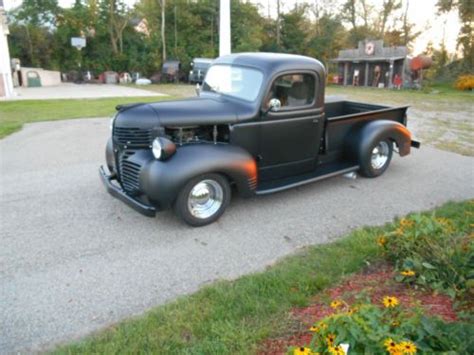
(374, 283)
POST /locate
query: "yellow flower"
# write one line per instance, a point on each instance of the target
(302, 351)
(390, 345)
(338, 350)
(390, 301)
(408, 347)
(336, 304)
(330, 339)
(381, 241)
(406, 222)
(314, 329)
(395, 323)
(323, 325)
(408, 273)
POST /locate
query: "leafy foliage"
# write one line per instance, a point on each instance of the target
(429, 251)
(372, 329)
(465, 82)
(130, 39)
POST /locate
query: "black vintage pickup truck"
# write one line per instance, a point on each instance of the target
(260, 124)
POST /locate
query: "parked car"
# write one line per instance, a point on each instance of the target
(199, 69)
(171, 71)
(260, 123)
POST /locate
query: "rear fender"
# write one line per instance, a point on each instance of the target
(162, 180)
(363, 136)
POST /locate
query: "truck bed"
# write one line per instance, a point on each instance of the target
(341, 116)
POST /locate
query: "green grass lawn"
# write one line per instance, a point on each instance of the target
(431, 94)
(178, 90)
(233, 317)
(13, 114)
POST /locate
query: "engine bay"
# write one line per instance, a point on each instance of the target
(198, 134)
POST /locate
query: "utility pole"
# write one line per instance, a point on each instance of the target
(224, 28)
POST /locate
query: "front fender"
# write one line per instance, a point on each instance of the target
(161, 181)
(362, 137)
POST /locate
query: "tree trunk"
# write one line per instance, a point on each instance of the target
(278, 24)
(30, 46)
(175, 33)
(113, 38)
(163, 25)
(365, 9)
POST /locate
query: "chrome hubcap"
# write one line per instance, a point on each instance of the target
(205, 199)
(379, 155)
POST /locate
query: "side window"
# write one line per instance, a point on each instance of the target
(293, 90)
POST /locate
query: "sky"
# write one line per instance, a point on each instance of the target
(421, 12)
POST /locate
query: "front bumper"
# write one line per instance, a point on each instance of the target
(117, 192)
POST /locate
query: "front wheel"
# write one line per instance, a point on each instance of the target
(203, 199)
(377, 158)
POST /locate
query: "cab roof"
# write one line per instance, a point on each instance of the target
(273, 62)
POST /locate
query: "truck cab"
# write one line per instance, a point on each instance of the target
(259, 125)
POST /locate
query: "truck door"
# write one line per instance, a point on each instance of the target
(290, 138)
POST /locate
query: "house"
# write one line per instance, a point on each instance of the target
(6, 84)
(372, 64)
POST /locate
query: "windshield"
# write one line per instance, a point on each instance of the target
(240, 82)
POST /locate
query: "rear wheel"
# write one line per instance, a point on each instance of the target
(203, 199)
(377, 158)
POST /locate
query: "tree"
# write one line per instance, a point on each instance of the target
(118, 17)
(465, 10)
(388, 8)
(294, 28)
(349, 13)
(31, 38)
(328, 38)
(247, 32)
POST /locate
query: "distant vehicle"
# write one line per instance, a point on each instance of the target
(199, 69)
(260, 123)
(171, 71)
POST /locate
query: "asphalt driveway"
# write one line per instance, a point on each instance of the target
(73, 259)
(80, 91)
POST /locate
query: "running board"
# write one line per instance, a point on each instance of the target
(322, 172)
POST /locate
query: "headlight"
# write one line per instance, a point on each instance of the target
(162, 148)
(112, 119)
(156, 148)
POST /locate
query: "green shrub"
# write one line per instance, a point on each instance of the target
(373, 329)
(429, 251)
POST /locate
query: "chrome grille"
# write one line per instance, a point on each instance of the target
(129, 173)
(134, 137)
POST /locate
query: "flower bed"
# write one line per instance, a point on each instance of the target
(402, 307)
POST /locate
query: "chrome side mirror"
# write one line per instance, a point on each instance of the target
(274, 105)
(198, 89)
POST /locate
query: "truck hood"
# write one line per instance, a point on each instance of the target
(196, 111)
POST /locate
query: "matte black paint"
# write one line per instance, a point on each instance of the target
(266, 151)
(161, 181)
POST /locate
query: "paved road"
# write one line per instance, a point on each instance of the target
(73, 259)
(79, 91)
